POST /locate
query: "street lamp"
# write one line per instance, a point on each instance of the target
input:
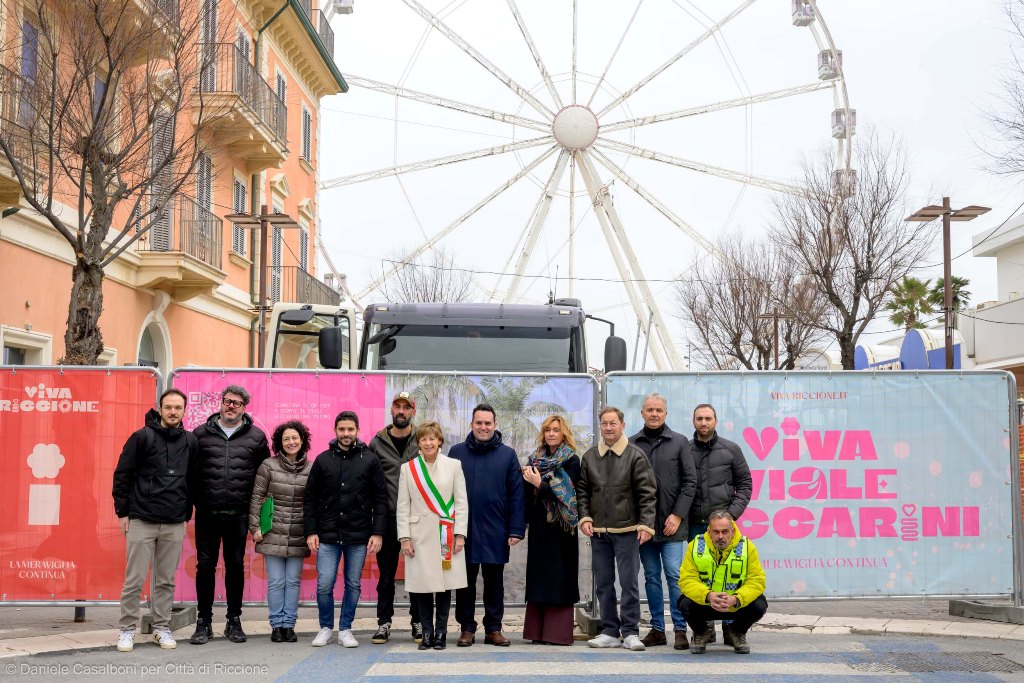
(948, 214)
(248, 221)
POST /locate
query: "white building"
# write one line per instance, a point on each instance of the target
(993, 331)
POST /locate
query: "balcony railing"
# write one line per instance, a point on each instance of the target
(228, 71)
(292, 284)
(320, 23)
(186, 227)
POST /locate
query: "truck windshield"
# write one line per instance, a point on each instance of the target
(297, 346)
(480, 349)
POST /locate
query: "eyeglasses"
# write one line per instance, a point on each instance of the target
(232, 403)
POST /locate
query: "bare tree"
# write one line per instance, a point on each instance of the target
(722, 301)
(425, 279)
(1006, 152)
(102, 127)
(849, 236)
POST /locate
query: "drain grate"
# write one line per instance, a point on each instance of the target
(934, 662)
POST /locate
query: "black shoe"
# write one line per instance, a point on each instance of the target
(203, 633)
(417, 632)
(277, 635)
(727, 634)
(233, 630)
(439, 641)
(426, 641)
(289, 635)
(382, 634)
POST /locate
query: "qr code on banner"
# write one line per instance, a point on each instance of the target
(201, 404)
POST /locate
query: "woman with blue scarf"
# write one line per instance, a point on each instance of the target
(552, 556)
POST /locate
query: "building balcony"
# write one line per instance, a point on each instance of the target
(306, 39)
(292, 284)
(181, 252)
(242, 112)
(17, 113)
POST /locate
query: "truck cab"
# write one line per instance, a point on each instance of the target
(311, 336)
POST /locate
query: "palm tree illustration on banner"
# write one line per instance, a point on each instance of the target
(445, 399)
(518, 416)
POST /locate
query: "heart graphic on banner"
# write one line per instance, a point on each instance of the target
(909, 509)
(761, 445)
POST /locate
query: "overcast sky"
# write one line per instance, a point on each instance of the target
(926, 70)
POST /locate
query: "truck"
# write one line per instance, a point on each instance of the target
(469, 337)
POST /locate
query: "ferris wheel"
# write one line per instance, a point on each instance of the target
(574, 134)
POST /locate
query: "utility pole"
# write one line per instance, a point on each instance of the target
(262, 223)
(948, 214)
(775, 316)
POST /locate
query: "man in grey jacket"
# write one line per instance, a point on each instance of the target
(394, 446)
(669, 453)
(616, 498)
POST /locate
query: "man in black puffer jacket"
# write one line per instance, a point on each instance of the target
(723, 476)
(345, 512)
(231, 449)
(152, 504)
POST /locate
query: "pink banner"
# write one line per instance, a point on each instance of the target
(314, 398)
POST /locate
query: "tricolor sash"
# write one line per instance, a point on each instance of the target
(437, 505)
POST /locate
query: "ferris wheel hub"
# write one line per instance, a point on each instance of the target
(575, 127)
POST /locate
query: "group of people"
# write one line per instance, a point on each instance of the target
(654, 500)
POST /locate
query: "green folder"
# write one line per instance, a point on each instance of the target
(266, 515)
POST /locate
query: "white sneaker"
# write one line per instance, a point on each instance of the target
(634, 643)
(346, 639)
(126, 641)
(323, 637)
(164, 639)
(604, 640)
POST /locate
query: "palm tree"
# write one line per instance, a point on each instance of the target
(910, 301)
(961, 297)
(518, 416)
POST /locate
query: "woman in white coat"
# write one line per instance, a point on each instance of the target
(433, 517)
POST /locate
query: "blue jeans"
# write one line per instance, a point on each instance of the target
(283, 577)
(327, 559)
(657, 557)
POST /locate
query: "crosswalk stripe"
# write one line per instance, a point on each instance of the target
(621, 668)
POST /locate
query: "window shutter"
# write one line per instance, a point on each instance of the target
(238, 205)
(208, 79)
(163, 146)
(304, 249)
(307, 135)
(275, 263)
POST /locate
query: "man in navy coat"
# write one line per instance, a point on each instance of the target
(494, 483)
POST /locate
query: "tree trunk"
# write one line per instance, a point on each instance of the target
(83, 342)
(847, 351)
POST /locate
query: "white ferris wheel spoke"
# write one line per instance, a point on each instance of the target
(653, 201)
(539, 217)
(663, 350)
(679, 55)
(437, 101)
(477, 56)
(715, 106)
(572, 219)
(629, 24)
(434, 163)
(536, 53)
(574, 31)
(717, 171)
(429, 244)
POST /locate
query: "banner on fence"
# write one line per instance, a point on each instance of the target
(893, 484)
(521, 401)
(62, 432)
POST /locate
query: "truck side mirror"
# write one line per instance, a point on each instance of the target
(614, 354)
(332, 347)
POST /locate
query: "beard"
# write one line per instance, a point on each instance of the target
(401, 421)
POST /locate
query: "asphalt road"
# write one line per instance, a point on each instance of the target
(775, 657)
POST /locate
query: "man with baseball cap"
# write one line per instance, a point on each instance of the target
(394, 446)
